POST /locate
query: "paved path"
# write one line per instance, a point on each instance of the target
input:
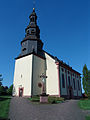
(23, 109)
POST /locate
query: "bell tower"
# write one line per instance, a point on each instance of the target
(32, 43)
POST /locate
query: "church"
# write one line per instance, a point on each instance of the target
(33, 61)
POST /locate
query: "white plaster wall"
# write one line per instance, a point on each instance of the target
(38, 69)
(52, 84)
(22, 75)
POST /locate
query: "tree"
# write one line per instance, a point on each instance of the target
(86, 80)
(9, 90)
(88, 85)
(1, 90)
(1, 79)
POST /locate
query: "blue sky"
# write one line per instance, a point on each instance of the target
(64, 25)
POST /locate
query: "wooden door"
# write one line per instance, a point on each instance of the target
(20, 92)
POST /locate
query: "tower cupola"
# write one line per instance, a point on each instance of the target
(32, 30)
(31, 42)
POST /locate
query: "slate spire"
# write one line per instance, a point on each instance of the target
(32, 41)
(32, 30)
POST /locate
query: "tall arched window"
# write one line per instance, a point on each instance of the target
(78, 85)
(74, 84)
(68, 80)
(32, 19)
(63, 81)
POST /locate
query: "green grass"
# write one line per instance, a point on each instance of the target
(87, 117)
(84, 104)
(4, 106)
(35, 99)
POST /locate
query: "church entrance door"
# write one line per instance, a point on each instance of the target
(20, 92)
(70, 93)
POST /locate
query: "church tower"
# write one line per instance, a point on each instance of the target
(30, 64)
(32, 42)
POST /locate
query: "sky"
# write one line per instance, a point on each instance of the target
(64, 30)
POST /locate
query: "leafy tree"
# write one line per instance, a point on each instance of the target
(9, 90)
(1, 79)
(86, 80)
(88, 85)
(1, 90)
(5, 90)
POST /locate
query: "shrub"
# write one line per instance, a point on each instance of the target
(35, 99)
(55, 99)
(9, 90)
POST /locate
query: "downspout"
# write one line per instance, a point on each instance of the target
(66, 82)
(32, 75)
(76, 85)
(80, 87)
(72, 87)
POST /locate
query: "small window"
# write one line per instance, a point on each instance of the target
(63, 81)
(74, 83)
(32, 31)
(24, 49)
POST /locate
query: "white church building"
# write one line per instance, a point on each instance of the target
(33, 61)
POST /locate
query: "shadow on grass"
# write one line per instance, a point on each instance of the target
(4, 119)
(3, 98)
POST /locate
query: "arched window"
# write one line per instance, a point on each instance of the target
(27, 32)
(74, 84)
(32, 19)
(78, 85)
(63, 81)
(32, 31)
(24, 49)
(69, 80)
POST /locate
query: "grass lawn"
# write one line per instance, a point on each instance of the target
(87, 117)
(85, 104)
(4, 106)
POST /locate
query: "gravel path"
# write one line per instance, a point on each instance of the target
(23, 109)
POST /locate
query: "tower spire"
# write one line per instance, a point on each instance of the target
(34, 4)
(32, 41)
